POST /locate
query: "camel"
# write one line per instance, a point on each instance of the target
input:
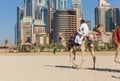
(107, 39)
(72, 47)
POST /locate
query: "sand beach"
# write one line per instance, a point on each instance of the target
(48, 67)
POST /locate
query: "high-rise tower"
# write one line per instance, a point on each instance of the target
(113, 19)
(31, 6)
(60, 4)
(101, 2)
(41, 11)
(100, 13)
(49, 26)
(17, 27)
(65, 24)
(49, 3)
(78, 4)
(27, 7)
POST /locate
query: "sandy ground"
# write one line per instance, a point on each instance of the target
(57, 68)
(98, 53)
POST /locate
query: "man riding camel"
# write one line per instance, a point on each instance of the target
(82, 40)
(83, 33)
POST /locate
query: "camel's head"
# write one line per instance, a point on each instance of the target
(99, 29)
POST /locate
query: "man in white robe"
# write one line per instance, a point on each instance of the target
(83, 31)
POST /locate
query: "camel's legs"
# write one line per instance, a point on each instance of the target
(72, 56)
(91, 49)
(82, 47)
(116, 55)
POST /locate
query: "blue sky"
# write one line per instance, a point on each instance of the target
(8, 15)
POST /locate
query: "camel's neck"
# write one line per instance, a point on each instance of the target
(103, 33)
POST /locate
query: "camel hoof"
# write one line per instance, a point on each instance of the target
(94, 60)
(93, 68)
(75, 66)
(117, 61)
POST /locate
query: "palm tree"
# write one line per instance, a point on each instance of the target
(19, 42)
(19, 48)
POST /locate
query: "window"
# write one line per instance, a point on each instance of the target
(28, 1)
(27, 33)
(28, 39)
(40, 1)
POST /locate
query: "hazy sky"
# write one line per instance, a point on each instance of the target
(8, 15)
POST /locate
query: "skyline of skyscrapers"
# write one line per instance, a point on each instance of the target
(53, 16)
(35, 16)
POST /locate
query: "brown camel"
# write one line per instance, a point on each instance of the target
(115, 37)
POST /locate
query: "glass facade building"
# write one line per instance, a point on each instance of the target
(101, 12)
(78, 4)
(60, 4)
(17, 28)
(112, 18)
(27, 7)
